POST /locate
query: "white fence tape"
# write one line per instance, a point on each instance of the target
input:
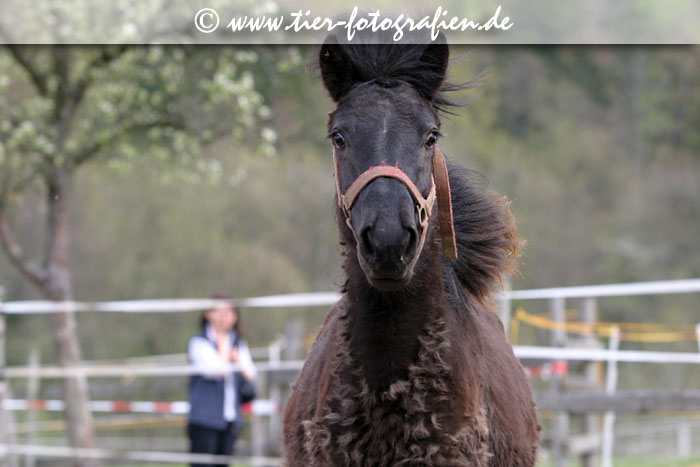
(256, 407)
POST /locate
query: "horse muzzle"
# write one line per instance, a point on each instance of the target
(388, 246)
(388, 254)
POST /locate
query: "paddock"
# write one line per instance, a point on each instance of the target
(579, 423)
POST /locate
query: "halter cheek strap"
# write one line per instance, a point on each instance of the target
(439, 188)
(444, 199)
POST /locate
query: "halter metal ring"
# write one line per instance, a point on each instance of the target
(422, 214)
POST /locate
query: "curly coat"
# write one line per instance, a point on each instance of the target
(422, 376)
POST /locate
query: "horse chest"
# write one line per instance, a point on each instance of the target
(399, 426)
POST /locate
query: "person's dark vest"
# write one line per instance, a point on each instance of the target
(207, 397)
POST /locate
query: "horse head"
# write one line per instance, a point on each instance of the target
(384, 133)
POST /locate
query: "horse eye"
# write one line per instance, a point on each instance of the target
(338, 140)
(432, 139)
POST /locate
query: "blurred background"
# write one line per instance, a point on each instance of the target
(185, 171)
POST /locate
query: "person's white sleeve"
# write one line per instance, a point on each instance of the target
(245, 360)
(203, 355)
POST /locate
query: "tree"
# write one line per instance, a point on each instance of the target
(62, 107)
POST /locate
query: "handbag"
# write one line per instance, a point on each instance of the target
(245, 389)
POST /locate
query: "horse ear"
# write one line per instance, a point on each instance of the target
(435, 58)
(336, 68)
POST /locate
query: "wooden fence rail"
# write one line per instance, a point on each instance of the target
(621, 401)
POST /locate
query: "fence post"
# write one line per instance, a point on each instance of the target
(257, 430)
(610, 386)
(684, 440)
(294, 332)
(560, 425)
(275, 421)
(591, 422)
(504, 308)
(7, 434)
(3, 440)
(32, 394)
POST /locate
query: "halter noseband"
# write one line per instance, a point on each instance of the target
(439, 188)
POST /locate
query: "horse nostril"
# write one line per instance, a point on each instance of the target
(410, 239)
(387, 248)
(367, 240)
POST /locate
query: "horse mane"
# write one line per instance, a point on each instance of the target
(487, 239)
(488, 244)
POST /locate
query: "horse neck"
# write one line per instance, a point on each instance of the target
(384, 327)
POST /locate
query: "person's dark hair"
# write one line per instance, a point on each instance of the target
(224, 296)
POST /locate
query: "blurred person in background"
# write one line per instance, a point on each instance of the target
(216, 393)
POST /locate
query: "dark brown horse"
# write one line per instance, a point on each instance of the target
(412, 366)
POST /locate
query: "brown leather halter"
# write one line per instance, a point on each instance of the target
(439, 188)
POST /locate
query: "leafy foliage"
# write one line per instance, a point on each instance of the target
(120, 104)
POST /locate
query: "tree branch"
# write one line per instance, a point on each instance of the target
(60, 69)
(108, 56)
(104, 59)
(19, 185)
(68, 97)
(37, 78)
(87, 153)
(14, 252)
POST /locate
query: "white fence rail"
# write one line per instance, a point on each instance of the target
(609, 290)
(329, 298)
(521, 351)
(557, 296)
